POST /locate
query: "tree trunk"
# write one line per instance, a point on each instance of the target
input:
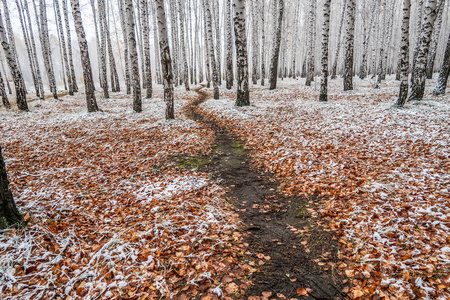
(97, 39)
(441, 84)
(418, 80)
(103, 66)
(404, 55)
(276, 48)
(85, 60)
(3, 94)
(125, 42)
(209, 33)
(63, 46)
(243, 94)
(383, 26)
(419, 17)
(215, 13)
(175, 42)
(325, 38)
(255, 45)
(115, 85)
(9, 215)
(185, 75)
(21, 99)
(366, 39)
(338, 48)
(166, 62)
(136, 82)
(311, 44)
(206, 50)
(148, 66)
(156, 45)
(263, 45)
(58, 36)
(73, 80)
(229, 47)
(349, 46)
(434, 41)
(46, 50)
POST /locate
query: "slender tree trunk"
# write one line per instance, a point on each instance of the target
(6, 75)
(229, 46)
(3, 94)
(434, 41)
(73, 80)
(325, 37)
(156, 45)
(311, 44)
(21, 99)
(85, 60)
(9, 215)
(28, 46)
(209, 33)
(338, 48)
(404, 55)
(207, 55)
(125, 43)
(263, 45)
(97, 39)
(166, 62)
(255, 45)
(383, 26)
(418, 81)
(148, 66)
(441, 84)
(215, 13)
(276, 48)
(175, 42)
(115, 85)
(185, 74)
(46, 51)
(367, 35)
(63, 46)
(420, 8)
(349, 45)
(375, 31)
(103, 67)
(136, 82)
(58, 36)
(243, 94)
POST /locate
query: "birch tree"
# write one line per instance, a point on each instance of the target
(115, 86)
(125, 46)
(21, 99)
(338, 47)
(46, 50)
(3, 94)
(366, 39)
(146, 40)
(73, 80)
(325, 37)
(276, 49)
(404, 55)
(255, 39)
(263, 45)
(311, 43)
(441, 84)
(166, 61)
(229, 46)
(103, 67)
(349, 45)
(418, 79)
(9, 215)
(135, 80)
(243, 94)
(434, 41)
(185, 74)
(85, 60)
(209, 33)
(63, 46)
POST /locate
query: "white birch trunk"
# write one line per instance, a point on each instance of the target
(135, 80)
(209, 33)
(404, 55)
(325, 37)
(243, 94)
(349, 45)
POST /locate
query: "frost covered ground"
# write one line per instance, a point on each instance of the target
(384, 173)
(108, 217)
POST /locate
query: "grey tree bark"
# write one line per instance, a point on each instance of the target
(97, 39)
(85, 60)
(209, 33)
(434, 41)
(73, 80)
(125, 43)
(325, 37)
(243, 94)
(63, 46)
(276, 49)
(420, 4)
(146, 38)
(349, 45)
(3, 94)
(441, 84)
(103, 66)
(21, 99)
(263, 45)
(338, 48)
(46, 50)
(166, 62)
(175, 42)
(404, 55)
(229, 46)
(156, 45)
(115, 85)
(366, 39)
(135, 80)
(215, 13)
(311, 43)
(9, 215)
(418, 79)
(185, 73)
(255, 39)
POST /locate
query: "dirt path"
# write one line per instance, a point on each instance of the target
(284, 228)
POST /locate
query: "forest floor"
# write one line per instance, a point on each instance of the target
(287, 198)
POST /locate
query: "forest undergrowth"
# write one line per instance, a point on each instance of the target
(383, 171)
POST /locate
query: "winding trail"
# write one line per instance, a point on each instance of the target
(275, 225)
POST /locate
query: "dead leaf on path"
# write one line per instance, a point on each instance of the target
(302, 292)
